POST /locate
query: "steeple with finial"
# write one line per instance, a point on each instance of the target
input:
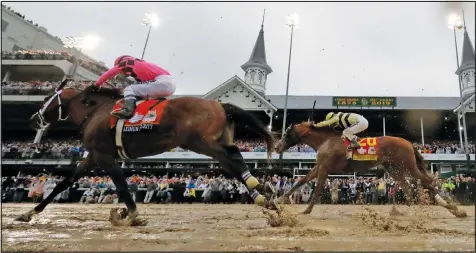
(256, 68)
(466, 69)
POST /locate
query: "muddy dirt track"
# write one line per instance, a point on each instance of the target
(74, 227)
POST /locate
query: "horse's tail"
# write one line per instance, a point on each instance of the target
(422, 164)
(239, 116)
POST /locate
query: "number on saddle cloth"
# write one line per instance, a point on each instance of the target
(146, 112)
(366, 152)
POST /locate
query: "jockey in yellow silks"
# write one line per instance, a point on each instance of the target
(352, 123)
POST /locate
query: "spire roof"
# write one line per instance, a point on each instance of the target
(468, 51)
(258, 56)
(467, 58)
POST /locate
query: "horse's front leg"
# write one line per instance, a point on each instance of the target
(108, 163)
(310, 176)
(80, 170)
(321, 180)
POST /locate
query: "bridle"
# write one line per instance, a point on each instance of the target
(294, 135)
(43, 124)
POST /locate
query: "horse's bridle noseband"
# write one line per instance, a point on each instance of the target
(43, 124)
(294, 135)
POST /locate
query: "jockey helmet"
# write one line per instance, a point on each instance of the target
(329, 115)
(119, 59)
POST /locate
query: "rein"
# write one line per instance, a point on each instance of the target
(86, 118)
(61, 106)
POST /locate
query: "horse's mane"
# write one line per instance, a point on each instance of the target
(106, 92)
(327, 129)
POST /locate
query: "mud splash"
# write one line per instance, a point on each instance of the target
(119, 217)
(399, 222)
(284, 216)
(183, 227)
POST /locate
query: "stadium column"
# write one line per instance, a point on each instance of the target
(460, 133)
(465, 133)
(422, 132)
(39, 134)
(76, 63)
(383, 122)
(7, 76)
(271, 121)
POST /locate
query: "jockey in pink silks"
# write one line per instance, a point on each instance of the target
(152, 82)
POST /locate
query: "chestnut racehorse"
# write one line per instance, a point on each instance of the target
(397, 155)
(203, 126)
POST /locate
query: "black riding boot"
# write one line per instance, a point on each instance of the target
(127, 111)
(354, 143)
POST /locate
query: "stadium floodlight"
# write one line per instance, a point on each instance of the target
(292, 20)
(88, 42)
(150, 20)
(454, 21)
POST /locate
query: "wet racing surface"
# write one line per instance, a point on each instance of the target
(75, 227)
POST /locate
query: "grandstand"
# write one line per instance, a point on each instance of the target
(34, 62)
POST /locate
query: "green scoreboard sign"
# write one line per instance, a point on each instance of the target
(365, 101)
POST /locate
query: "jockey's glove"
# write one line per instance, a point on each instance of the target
(320, 124)
(94, 87)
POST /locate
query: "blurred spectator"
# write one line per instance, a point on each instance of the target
(52, 55)
(48, 149)
(63, 149)
(229, 190)
(19, 15)
(443, 147)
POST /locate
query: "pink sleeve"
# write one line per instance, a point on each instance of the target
(108, 75)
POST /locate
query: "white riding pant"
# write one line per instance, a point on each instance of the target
(360, 126)
(162, 86)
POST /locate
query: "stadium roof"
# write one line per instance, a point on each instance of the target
(325, 102)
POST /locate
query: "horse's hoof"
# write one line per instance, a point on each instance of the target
(269, 188)
(270, 204)
(24, 218)
(306, 212)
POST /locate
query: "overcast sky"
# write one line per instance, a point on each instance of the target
(354, 49)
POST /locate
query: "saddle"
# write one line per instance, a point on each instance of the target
(366, 152)
(147, 112)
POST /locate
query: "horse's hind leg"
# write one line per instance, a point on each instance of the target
(63, 185)
(427, 181)
(232, 161)
(228, 135)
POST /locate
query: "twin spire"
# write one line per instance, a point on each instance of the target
(467, 58)
(258, 56)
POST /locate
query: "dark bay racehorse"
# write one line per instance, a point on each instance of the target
(396, 154)
(203, 126)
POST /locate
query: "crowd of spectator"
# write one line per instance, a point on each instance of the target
(48, 149)
(52, 55)
(42, 88)
(219, 189)
(443, 147)
(70, 148)
(19, 15)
